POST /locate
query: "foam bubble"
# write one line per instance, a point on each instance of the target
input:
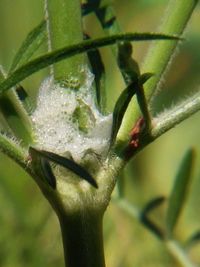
(54, 128)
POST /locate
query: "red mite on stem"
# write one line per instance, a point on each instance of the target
(135, 136)
(135, 133)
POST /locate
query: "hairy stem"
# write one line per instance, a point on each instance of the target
(15, 115)
(172, 117)
(14, 151)
(159, 57)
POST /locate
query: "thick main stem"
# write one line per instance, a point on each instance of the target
(82, 239)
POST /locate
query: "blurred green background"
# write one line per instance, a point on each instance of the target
(29, 231)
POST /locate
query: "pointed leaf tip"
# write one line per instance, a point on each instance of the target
(68, 164)
(120, 108)
(30, 45)
(63, 53)
(145, 77)
(48, 173)
(152, 204)
(180, 190)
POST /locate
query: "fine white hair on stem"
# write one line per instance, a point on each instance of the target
(173, 116)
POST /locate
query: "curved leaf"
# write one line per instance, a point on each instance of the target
(193, 240)
(67, 163)
(98, 70)
(92, 6)
(179, 191)
(154, 203)
(69, 51)
(124, 100)
(120, 108)
(32, 42)
(48, 173)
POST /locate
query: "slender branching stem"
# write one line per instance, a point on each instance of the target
(172, 246)
(175, 115)
(13, 150)
(179, 254)
(15, 115)
(160, 54)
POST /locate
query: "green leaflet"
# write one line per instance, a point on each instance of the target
(179, 191)
(24, 98)
(92, 6)
(66, 163)
(48, 173)
(98, 70)
(120, 108)
(124, 100)
(50, 58)
(152, 204)
(122, 51)
(32, 42)
(144, 77)
(193, 240)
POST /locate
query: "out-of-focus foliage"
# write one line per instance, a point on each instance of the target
(29, 232)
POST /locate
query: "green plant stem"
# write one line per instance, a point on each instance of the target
(172, 246)
(65, 29)
(179, 254)
(69, 51)
(13, 151)
(82, 239)
(127, 207)
(15, 115)
(174, 116)
(159, 56)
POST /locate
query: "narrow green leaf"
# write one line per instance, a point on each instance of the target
(152, 226)
(153, 204)
(98, 70)
(123, 102)
(122, 51)
(50, 58)
(107, 18)
(145, 77)
(179, 191)
(67, 163)
(92, 6)
(48, 173)
(24, 98)
(30, 45)
(149, 207)
(120, 108)
(128, 66)
(193, 240)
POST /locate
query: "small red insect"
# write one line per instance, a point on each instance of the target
(136, 132)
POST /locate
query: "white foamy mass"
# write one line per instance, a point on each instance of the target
(54, 128)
